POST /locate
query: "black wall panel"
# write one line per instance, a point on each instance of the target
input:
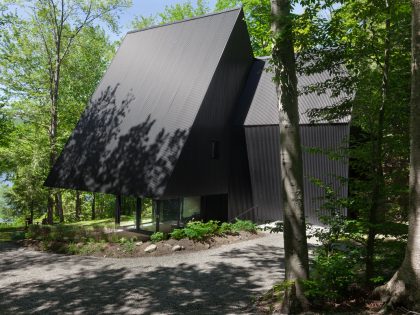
(132, 133)
(196, 173)
(263, 144)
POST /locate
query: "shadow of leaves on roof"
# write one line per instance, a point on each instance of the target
(103, 156)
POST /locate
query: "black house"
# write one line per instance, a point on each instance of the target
(187, 116)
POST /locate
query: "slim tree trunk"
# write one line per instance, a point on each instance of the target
(50, 208)
(295, 243)
(93, 207)
(32, 212)
(404, 287)
(376, 210)
(78, 206)
(59, 206)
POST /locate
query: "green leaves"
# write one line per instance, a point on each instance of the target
(258, 18)
(172, 13)
(34, 43)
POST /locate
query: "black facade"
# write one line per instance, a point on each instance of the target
(186, 113)
(197, 171)
(319, 143)
(154, 97)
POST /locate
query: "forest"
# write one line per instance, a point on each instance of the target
(54, 53)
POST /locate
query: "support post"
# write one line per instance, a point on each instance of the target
(118, 202)
(93, 206)
(138, 213)
(157, 218)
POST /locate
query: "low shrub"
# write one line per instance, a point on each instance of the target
(85, 249)
(64, 233)
(127, 245)
(332, 276)
(18, 235)
(225, 228)
(244, 225)
(199, 230)
(177, 234)
(157, 237)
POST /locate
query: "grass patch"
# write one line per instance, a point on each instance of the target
(10, 232)
(109, 222)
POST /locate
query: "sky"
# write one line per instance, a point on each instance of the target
(153, 7)
(147, 8)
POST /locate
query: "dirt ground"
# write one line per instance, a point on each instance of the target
(117, 250)
(165, 247)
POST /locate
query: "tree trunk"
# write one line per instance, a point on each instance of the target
(59, 206)
(295, 244)
(50, 208)
(404, 287)
(32, 212)
(376, 211)
(78, 206)
(93, 207)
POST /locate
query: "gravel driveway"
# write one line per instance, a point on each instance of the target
(216, 281)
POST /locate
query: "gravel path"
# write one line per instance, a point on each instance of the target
(216, 281)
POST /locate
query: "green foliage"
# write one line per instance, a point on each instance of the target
(244, 225)
(177, 234)
(18, 235)
(257, 15)
(353, 36)
(172, 13)
(337, 261)
(258, 18)
(128, 245)
(199, 230)
(225, 228)
(28, 58)
(73, 233)
(63, 233)
(332, 276)
(157, 237)
(84, 248)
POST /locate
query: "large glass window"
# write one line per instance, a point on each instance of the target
(172, 213)
(169, 210)
(191, 208)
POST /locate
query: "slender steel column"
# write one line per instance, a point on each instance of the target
(118, 204)
(138, 213)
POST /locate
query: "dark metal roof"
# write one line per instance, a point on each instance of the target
(131, 134)
(263, 108)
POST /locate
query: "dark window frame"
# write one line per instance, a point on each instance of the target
(215, 150)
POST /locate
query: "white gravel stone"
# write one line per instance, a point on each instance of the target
(177, 248)
(150, 248)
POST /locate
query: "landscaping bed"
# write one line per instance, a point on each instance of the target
(102, 242)
(137, 248)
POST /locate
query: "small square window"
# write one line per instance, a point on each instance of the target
(215, 150)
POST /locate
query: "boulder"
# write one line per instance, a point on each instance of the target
(177, 248)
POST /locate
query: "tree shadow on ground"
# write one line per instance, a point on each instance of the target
(18, 259)
(213, 288)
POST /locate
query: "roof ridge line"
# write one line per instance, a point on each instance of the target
(185, 20)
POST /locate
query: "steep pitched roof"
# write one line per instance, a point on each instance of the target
(131, 134)
(263, 108)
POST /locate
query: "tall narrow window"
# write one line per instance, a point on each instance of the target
(215, 150)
